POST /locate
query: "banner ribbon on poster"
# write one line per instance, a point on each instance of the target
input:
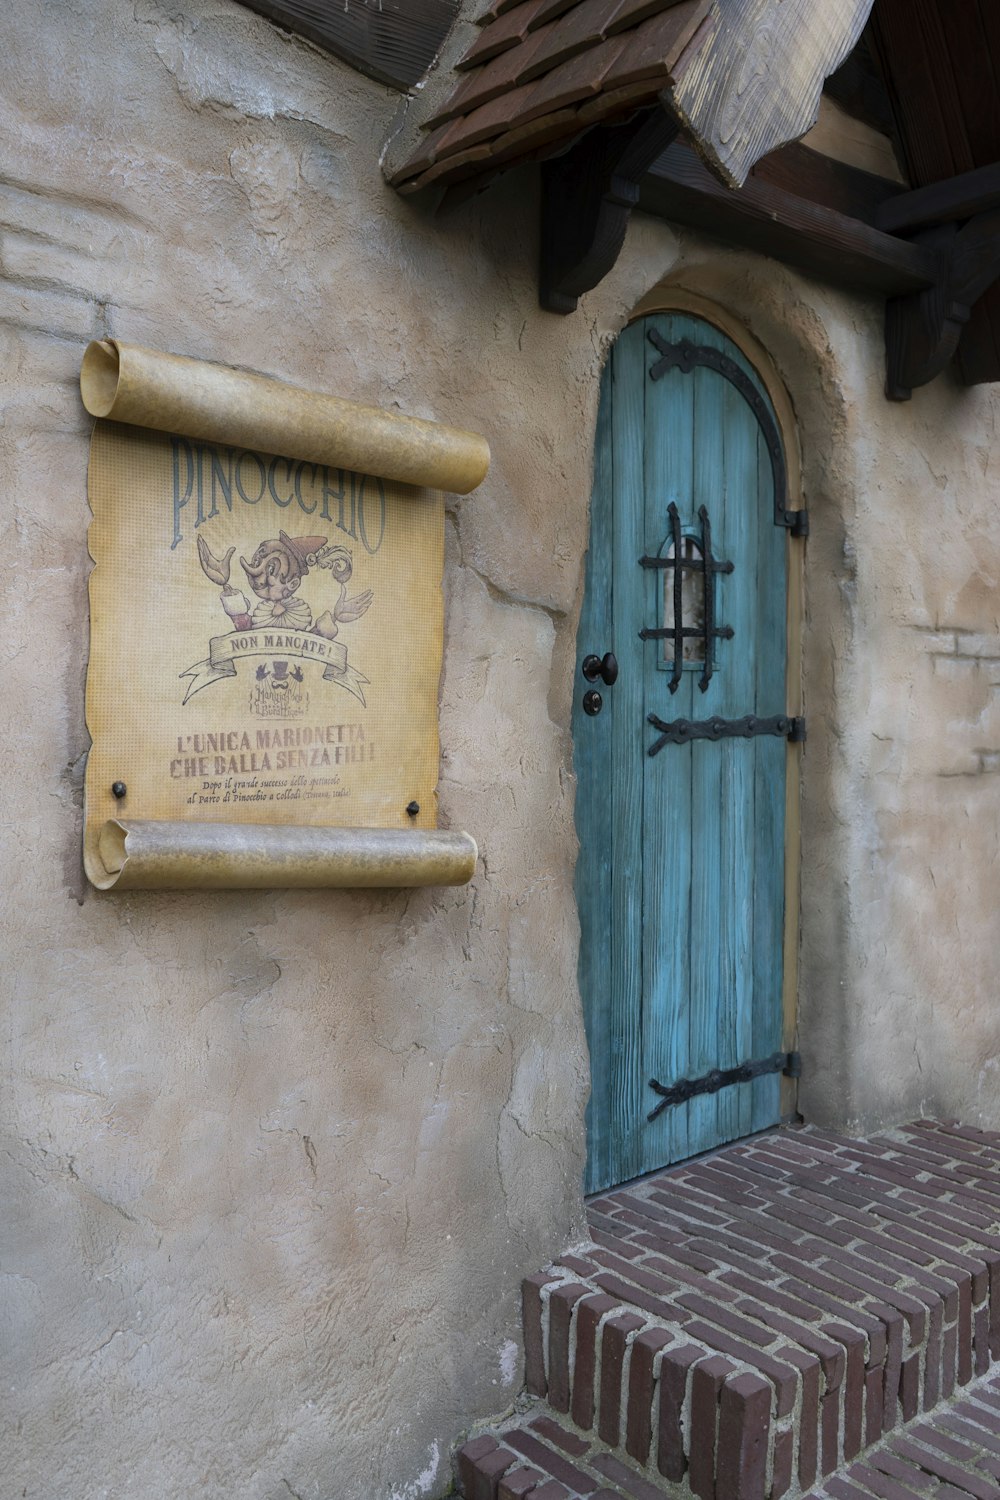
(277, 647)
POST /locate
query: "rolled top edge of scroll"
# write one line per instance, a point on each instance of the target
(131, 383)
(100, 373)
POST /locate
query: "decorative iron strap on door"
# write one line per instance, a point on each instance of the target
(686, 357)
(683, 731)
(788, 1063)
(708, 631)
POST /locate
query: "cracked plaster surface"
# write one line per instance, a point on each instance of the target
(265, 1154)
(275, 1162)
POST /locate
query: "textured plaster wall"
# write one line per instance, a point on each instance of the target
(901, 956)
(273, 1164)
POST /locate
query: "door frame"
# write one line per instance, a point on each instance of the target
(675, 299)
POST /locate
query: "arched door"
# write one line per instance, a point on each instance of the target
(681, 757)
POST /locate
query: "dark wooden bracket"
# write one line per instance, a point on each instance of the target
(922, 329)
(588, 195)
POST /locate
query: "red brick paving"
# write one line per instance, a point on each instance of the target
(797, 1305)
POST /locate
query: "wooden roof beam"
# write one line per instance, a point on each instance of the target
(931, 282)
(743, 77)
(842, 250)
(923, 329)
(941, 60)
(946, 202)
(587, 199)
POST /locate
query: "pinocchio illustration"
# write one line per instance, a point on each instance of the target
(274, 574)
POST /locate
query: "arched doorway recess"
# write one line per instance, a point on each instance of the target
(686, 754)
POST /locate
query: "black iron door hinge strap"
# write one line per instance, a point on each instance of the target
(708, 631)
(683, 731)
(685, 356)
(788, 1063)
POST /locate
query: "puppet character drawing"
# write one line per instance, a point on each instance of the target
(274, 573)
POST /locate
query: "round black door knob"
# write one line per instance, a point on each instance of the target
(592, 703)
(605, 667)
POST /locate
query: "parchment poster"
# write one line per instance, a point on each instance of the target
(266, 639)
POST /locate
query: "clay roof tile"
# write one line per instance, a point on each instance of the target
(536, 134)
(453, 166)
(576, 79)
(614, 103)
(632, 13)
(498, 76)
(653, 49)
(551, 10)
(498, 8)
(499, 35)
(543, 70)
(425, 156)
(484, 123)
(580, 28)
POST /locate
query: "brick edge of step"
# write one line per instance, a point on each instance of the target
(954, 1454)
(534, 1457)
(726, 1410)
(850, 1349)
(666, 1401)
(950, 1454)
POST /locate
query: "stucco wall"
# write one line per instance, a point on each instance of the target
(274, 1163)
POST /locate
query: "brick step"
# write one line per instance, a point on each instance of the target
(774, 1310)
(539, 1457)
(952, 1455)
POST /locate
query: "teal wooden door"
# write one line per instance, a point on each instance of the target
(680, 879)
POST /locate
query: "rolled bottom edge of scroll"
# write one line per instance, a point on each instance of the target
(146, 855)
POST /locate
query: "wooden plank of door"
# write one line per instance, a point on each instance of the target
(592, 756)
(628, 408)
(738, 536)
(669, 469)
(706, 783)
(769, 799)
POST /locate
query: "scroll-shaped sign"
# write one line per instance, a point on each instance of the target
(266, 632)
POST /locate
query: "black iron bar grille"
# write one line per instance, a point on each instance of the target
(708, 631)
